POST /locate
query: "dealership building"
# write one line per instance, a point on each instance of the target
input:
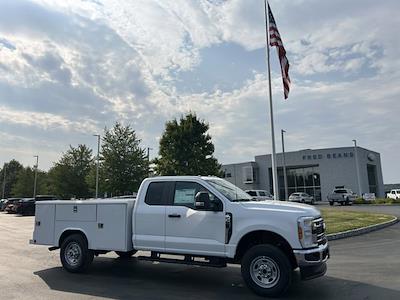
(316, 172)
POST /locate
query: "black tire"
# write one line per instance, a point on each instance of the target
(83, 256)
(331, 203)
(126, 255)
(273, 261)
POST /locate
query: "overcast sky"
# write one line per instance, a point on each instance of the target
(69, 68)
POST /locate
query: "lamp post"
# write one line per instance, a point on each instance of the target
(357, 168)
(284, 164)
(97, 165)
(36, 169)
(148, 159)
(4, 180)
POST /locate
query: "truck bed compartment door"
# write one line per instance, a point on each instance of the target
(43, 233)
(111, 228)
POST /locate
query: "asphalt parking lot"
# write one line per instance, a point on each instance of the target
(363, 267)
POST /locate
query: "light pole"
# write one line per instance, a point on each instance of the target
(148, 160)
(97, 165)
(36, 169)
(357, 168)
(148, 153)
(4, 180)
(284, 164)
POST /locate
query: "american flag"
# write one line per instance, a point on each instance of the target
(275, 40)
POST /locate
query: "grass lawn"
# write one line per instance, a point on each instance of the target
(339, 220)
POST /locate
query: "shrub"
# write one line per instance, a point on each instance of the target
(377, 201)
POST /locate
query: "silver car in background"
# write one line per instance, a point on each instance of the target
(301, 197)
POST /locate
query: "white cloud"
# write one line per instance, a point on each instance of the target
(77, 66)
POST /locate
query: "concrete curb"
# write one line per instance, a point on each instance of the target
(359, 231)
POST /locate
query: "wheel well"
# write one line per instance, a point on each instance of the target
(67, 233)
(265, 237)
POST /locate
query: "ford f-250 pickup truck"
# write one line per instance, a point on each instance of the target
(206, 221)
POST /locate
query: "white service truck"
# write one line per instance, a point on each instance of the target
(205, 221)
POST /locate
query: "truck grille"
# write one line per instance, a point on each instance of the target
(318, 231)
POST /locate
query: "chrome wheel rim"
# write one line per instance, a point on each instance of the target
(73, 254)
(264, 271)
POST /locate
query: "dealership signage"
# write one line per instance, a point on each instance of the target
(329, 155)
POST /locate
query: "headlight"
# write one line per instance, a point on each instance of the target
(305, 232)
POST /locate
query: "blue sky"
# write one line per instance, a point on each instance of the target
(70, 68)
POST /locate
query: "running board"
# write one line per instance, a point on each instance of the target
(188, 260)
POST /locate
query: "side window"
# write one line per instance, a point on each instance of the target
(262, 193)
(252, 193)
(185, 193)
(156, 194)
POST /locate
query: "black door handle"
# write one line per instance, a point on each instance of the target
(174, 216)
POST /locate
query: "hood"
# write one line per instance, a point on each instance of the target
(283, 206)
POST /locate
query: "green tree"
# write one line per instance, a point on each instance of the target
(23, 186)
(11, 168)
(68, 175)
(186, 149)
(124, 163)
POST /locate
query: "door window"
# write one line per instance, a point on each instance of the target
(156, 193)
(185, 193)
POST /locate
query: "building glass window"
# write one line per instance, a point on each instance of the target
(371, 170)
(328, 155)
(300, 180)
(248, 174)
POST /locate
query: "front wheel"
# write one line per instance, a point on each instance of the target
(331, 203)
(75, 255)
(266, 270)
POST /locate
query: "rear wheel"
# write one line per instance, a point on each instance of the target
(125, 255)
(266, 270)
(75, 255)
(331, 203)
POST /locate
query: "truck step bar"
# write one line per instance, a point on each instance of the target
(215, 262)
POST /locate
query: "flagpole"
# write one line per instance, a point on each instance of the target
(271, 112)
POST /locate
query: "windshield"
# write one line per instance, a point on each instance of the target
(230, 191)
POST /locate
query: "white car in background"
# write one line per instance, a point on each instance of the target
(301, 197)
(393, 194)
(260, 195)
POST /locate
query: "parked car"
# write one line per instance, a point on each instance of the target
(11, 205)
(393, 194)
(26, 206)
(260, 195)
(203, 221)
(341, 195)
(3, 203)
(301, 197)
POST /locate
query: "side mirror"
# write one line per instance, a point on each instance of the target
(202, 200)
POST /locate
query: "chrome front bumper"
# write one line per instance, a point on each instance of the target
(312, 257)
